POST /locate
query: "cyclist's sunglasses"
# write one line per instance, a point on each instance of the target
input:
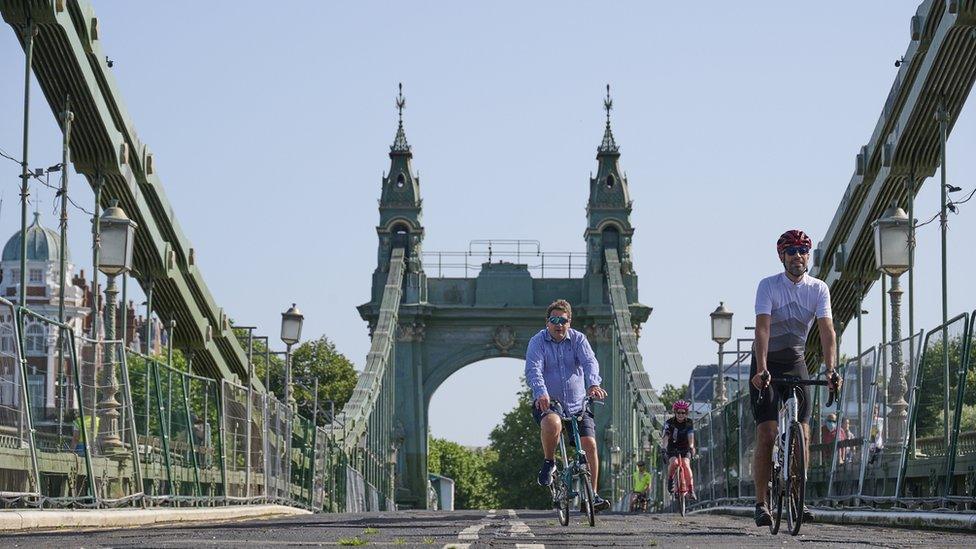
(558, 320)
(797, 250)
(681, 413)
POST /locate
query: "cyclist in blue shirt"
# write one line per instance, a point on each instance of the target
(560, 363)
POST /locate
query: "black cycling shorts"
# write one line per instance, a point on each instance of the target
(786, 362)
(587, 427)
(679, 452)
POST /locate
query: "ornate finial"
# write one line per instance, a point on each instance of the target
(608, 145)
(400, 144)
(401, 103)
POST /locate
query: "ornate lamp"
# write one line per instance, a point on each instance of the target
(721, 332)
(892, 248)
(721, 324)
(893, 256)
(291, 325)
(117, 236)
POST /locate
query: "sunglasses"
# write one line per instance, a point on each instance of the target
(681, 413)
(797, 250)
(558, 320)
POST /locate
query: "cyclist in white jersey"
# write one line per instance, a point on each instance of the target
(786, 306)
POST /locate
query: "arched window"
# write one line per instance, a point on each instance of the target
(401, 237)
(609, 181)
(611, 238)
(400, 180)
(34, 340)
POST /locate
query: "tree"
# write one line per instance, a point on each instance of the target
(516, 441)
(671, 394)
(933, 398)
(317, 358)
(337, 376)
(474, 487)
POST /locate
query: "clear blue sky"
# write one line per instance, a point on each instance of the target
(271, 128)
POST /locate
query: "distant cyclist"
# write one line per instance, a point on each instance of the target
(786, 306)
(678, 440)
(642, 486)
(560, 363)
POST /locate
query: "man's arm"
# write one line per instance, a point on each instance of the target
(764, 308)
(534, 363)
(591, 369)
(828, 342)
(761, 347)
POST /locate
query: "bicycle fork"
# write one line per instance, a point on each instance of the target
(787, 416)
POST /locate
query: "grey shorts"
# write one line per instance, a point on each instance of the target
(587, 427)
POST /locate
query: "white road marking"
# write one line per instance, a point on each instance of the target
(457, 546)
(519, 528)
(529, 546)
(471, 532)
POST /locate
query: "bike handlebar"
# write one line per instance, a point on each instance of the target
(588, 403)
(793, 381)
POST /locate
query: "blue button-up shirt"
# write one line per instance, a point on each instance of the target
(562, 370)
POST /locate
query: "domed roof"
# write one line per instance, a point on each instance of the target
(43, 244)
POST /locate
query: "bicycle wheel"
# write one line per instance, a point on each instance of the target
(560, 499)
(588, 497)
(774, 499)
(680, 489)
(796, 484)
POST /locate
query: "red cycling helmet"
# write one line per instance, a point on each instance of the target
(793, 237)
(681, 405)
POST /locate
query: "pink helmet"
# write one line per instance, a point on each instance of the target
(681, 405)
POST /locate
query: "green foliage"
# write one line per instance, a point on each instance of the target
(313, 359)
(967, 421)
(337, 376)
(516, 440)
(671, 394)
(933, 394)
(352, 541)
(474, 487)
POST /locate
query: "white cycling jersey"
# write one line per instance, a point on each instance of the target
(792, 307)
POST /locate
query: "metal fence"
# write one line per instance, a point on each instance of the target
(902, 433)
(89, 423)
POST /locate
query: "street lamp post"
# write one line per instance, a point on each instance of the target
(892, 253)
(721, 332)
(392, 488)
(116, 238)
(291, 333)
(615, 454)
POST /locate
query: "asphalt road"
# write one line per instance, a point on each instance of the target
(502, 528)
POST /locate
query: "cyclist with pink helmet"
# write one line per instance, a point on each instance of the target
(678, 441)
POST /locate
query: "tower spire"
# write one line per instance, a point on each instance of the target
(400, 144)
(609, 144)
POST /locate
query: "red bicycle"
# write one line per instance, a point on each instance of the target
(682, 485)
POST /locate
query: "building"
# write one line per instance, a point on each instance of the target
(701, 383)
(40, 338)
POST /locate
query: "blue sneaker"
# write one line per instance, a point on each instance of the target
(545, 473)
(600, 504)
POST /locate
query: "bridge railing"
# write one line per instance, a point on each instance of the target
(89, 423)
(365, 427)
(921, 453)
(633, 394)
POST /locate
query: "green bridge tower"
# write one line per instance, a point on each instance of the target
(445, 324)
